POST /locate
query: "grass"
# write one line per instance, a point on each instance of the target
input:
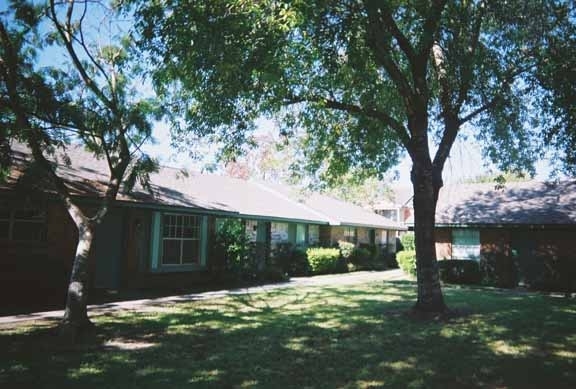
(321, 337)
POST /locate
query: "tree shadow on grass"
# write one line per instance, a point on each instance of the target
(311, 337)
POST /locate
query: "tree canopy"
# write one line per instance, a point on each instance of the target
(224, 63)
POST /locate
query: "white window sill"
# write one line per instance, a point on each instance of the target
(178, 268)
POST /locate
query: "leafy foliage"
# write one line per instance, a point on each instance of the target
(325, 260)
(556, 274)
(292, 260)
(233, 242)
(460, 271)
(316, 66)
(407, 261)
(407, 240)
(346, 249)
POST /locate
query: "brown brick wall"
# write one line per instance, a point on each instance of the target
(443, 238)
(494, 242)
(363, 235)
(498, 242)
(37, 273)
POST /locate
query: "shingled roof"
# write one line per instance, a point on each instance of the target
(338, 212)
(87, 177)
(517, 203)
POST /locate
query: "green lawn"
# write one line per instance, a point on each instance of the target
(321, 337)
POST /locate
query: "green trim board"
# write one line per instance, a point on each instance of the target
(155, 240)
(203, 240)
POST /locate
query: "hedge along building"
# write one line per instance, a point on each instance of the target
(160, 238)
(518, 226)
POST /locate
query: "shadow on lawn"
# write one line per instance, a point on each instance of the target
(313, 337)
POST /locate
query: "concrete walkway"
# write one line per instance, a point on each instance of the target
(156, 303)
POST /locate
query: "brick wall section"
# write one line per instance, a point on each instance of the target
(363, 235)
(37, 273)
(494, 242)
(337, 234)
(443, 243)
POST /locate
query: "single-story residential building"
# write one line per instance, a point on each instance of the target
(522, 232)
(163, 237)
(518, 219)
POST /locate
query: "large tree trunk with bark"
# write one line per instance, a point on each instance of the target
(76, 315)
(426, 187)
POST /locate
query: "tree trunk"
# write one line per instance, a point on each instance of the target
(426, 187)
(76, 315)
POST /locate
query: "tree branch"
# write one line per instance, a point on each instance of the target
(509, 79)
(474, 41)
(430, 29)
(388, 120)
(66, 35)
(451, 128)
(403, 42)
(377, 36)
(35, 137)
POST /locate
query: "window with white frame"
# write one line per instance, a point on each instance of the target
(313, 234)
(180, 239)
(465, 244)
(26, 224)
(279, 232)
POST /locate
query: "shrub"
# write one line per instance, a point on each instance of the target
(407, 261)
(390, 260)
(548, 273)
(366, 258)
(407, 240)
(460, 271)
(298, 263)
(346, 249)
(498, 270)
(325, 260)
(292, 260)
(239, 254)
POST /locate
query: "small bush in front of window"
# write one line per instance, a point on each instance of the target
(460, 271)
(292, 260)
(408, 242)
(325, 260)
(547, 273)
(240, 258)
(346, 249)
(407, 261)
(299, 264)
(362, 259)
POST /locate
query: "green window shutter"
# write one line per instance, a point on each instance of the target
(203, 240)
(155, 240)
(261, 232)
